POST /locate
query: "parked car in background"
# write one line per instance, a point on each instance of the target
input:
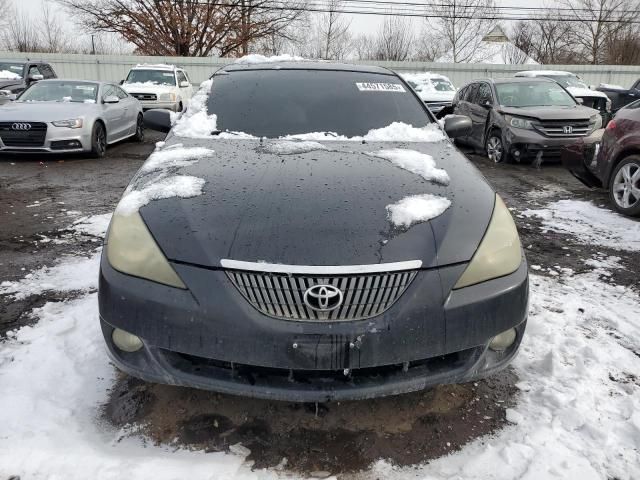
(435, 90)
(576, 87)
(69, 116)
(619, 95)
(615, 163)
(159, 86)
(300, 291)
(523, 119)
(16, 75)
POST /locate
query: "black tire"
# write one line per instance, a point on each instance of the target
(495, 149)
(180, 107)
(624, 186)
(98, 140)
(139, 135)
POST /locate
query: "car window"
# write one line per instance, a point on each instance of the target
(61, 91)
(34, 70)
(484, 94)
(533, 94)
(10, 70)
(47, 71)
(155, 77)
(181, 77)
(108, 91)
(442, 85)
(119, 92)
(470, 94)
(273, 103)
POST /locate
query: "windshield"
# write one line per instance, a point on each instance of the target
(568, 81)
(11, 71)
(274, 103)
(442, 85)
(533, 94)
(61, 91)
(155, 77)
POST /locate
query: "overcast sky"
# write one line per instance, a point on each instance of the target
(359, 23)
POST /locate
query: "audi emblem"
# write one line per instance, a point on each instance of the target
(567, 129)
(323, 298)
(21, 126)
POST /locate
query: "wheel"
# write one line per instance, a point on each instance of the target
(98, 140)
(139, 135)
(495, 148)
(180, 107)
(624, 186)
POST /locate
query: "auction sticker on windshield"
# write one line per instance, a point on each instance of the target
(380, 87)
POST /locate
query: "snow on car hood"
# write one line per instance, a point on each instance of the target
(7, 75)
(339, 203)
(148, 87)
(585, 92)
(436, 96)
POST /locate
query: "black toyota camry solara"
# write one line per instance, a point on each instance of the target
(308, 232)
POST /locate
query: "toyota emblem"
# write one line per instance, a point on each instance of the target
(323, 298)
(21, 126)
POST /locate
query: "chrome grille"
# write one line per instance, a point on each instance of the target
(557, 128)
(34, 137)
(281, 295)
(145, 96)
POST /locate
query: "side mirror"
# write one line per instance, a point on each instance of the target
(158, 120)
(184, 84)
(35, 78)
(580, 101)
(111, 99)
(458, 126)
(121, 82)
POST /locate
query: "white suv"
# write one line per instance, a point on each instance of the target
(159, 86)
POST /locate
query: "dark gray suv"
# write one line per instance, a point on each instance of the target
(17, 75)
(524, 119)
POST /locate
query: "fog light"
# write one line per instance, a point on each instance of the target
(503, 340)
(125, 341)
(516, 153)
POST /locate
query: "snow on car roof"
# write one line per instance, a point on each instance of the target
(423, 77)
(154, 66)
(535, 73)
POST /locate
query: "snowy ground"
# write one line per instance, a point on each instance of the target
(577, 414)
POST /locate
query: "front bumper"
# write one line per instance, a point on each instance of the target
(529, 145)
(57, 140)
(211, 338)
(148, 105)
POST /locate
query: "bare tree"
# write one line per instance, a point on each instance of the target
(364, 47)
(597, 21)
(332, 33)
(394, 40)
(428, 46)
(187, 27)
(6, 7)
(21, 34)
(547, 40)
(461, 24)
(52, 33)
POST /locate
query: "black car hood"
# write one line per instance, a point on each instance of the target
(317, 208)
(551, 113)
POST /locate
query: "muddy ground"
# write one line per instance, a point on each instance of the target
(315, 439)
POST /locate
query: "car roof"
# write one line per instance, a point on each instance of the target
(305, 65)
(499, 81)
(155, 66)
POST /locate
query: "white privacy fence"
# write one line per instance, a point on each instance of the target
(115, 67)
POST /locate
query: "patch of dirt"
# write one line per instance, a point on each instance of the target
(337, 437)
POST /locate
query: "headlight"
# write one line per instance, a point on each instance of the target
(132, 250)
(518, 122)
(5, 93)
(73, 123)
(499, 253)
(596, 122)
(167, 97)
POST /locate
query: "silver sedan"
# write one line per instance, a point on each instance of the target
(69, 116)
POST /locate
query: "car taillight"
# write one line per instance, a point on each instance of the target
(611, 125)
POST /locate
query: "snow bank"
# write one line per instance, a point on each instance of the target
(256, 58)
(288, 147)
(8, 75)
(183, 186)
(415, 162)
(590, 224)
(416, 209)
(396, 132)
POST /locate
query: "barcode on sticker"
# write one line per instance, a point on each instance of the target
(379, 87)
